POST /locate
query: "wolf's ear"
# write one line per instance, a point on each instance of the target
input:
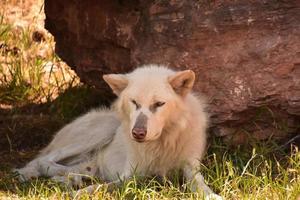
(182, 82)
(117, 82)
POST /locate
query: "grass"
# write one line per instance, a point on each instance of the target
(30, 72)
(39, 94)
(256, 171)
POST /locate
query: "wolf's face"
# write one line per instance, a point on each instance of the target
(148, 99)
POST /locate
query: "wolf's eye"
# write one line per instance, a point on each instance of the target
(137, 106)
(158, 104)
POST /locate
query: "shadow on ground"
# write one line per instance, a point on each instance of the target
(27, 129)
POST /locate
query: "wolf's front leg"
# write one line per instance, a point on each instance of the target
(197, 182)
(40, 167)
(46, 164)
(31, 170)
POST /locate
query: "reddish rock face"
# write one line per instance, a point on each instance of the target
(246, 53)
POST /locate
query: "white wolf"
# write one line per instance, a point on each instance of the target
(155, 125)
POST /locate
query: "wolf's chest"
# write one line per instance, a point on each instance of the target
(157, 160)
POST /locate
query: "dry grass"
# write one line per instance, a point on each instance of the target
(29, 69)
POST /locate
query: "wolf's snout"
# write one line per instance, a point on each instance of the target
(139, 130)
(139, 133)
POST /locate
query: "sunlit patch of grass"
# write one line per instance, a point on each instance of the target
(260, 170)
(29, 69)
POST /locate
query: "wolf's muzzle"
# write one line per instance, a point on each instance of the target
(139, 134)
(139, 130)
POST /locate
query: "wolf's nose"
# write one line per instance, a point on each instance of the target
(139, 133)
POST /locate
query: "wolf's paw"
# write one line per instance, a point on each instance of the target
(26, 173)
(213, 196)
(69, 180)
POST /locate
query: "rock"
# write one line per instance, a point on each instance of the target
(246, 53)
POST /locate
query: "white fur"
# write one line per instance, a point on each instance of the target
(100, 142)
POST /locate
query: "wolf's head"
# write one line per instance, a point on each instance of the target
(149, 98)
